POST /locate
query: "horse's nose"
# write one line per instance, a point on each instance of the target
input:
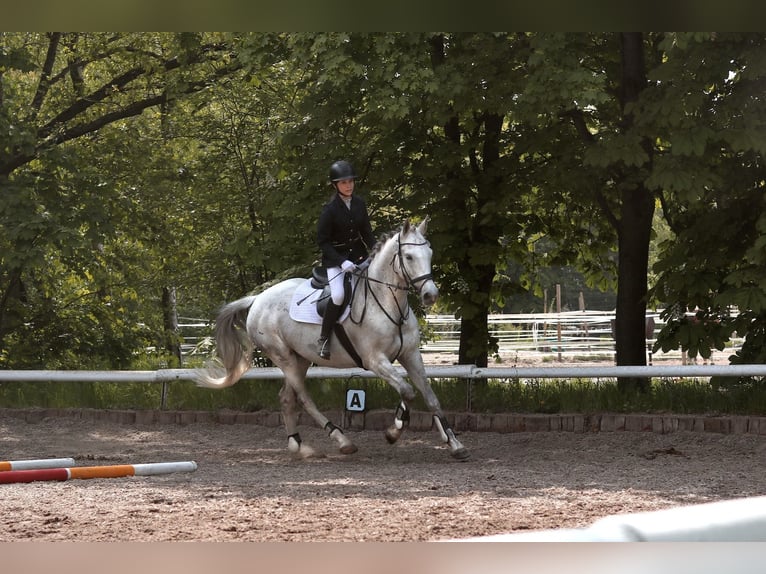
(430, 294)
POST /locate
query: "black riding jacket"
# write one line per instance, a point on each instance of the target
(344, 233)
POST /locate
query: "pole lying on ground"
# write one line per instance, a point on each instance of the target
(107, 471)
(6, 465)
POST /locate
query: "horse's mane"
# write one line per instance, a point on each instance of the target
(382, 239)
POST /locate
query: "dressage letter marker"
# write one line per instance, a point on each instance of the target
(114, 471)
(354, 400)
(6, 465)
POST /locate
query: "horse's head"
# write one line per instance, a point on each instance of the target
(415, 261)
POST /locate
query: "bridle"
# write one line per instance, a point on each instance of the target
(411, 285)
(411, 281)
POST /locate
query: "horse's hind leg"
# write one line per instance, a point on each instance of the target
(344, 443)
(288, 401)
(294, 390)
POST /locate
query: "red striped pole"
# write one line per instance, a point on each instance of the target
(107, 471)
(35, 463)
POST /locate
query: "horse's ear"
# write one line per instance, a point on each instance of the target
(424, 225)
(406, 227)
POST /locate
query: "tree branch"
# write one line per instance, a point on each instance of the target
(54, 132)
(578, 121)
(45, 74)
(117, 84)
(83, 104)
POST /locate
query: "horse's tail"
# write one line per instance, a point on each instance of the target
(233, 346)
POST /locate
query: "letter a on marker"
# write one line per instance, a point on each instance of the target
(354, 400)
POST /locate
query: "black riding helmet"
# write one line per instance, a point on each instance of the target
(341, 170)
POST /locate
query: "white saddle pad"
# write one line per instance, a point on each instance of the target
(303, 306)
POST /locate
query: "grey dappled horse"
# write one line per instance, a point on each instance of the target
(381, 327)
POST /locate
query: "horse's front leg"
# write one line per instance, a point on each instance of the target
(383, 367)
(401, 422)
(413, 364)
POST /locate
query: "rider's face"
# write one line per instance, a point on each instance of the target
(345, 187)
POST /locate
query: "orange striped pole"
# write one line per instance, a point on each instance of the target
(35, 463)
(107, 471)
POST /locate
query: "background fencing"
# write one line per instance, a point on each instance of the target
(566, 336)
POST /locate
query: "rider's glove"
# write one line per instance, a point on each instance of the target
(347, 266)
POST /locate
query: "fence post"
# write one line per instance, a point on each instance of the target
(164, 391)
(558, 326)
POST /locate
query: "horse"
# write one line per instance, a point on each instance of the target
(380, 327)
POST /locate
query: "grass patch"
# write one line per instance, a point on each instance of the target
(679, 396)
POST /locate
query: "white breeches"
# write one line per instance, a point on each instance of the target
(337, 291)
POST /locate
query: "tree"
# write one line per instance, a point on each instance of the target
(711, 272)
(594, 83)
(529, 151)
(58, 91)
(248, 185)
(426, 116)
(676, 122)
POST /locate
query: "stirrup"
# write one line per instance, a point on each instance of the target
(324, 347)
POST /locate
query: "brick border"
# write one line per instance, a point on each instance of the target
(379, 420)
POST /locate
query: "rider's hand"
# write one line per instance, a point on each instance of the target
(347, 266)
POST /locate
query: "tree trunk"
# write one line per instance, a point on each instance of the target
(170, 324)
(475, 342)
(482, 233)
(630, 324)
(474, 333)
(633, 232)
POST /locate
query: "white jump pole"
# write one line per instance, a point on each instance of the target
(34, 464)
(164, 467)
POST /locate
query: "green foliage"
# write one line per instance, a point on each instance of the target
(144, 161)
(81, 235)
(709, 273)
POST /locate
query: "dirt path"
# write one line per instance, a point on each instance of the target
(248, 488)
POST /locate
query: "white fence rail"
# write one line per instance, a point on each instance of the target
(432, 372)
(465, 372)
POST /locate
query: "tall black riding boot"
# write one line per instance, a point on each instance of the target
(331, 314)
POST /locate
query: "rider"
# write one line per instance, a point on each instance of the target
(344, 235)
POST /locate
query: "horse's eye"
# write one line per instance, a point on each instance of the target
(408, 257)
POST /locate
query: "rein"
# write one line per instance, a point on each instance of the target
(411, 281)
(404, 310)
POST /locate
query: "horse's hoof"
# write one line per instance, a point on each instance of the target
(461, 454)
(392, 435)
(306, 452)
(348, 449)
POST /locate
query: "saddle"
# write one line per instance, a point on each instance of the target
(320, 281)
